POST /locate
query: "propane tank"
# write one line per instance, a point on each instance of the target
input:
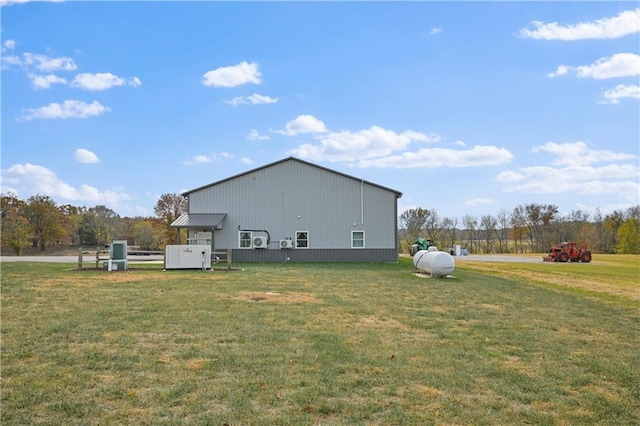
(434, 262)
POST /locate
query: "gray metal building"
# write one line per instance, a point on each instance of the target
(296, 211)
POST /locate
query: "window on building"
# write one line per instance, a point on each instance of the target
(244, 239)
(302, 239)
(357, 239)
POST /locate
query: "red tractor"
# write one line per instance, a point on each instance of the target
(568, 251)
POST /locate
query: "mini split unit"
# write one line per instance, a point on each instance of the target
(284, 244)
(260, 242)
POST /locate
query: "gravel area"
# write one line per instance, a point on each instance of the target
(500, 258)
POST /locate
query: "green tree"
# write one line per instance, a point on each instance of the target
(629, 237)
(99, 225)
(148, 235)
(612, 222)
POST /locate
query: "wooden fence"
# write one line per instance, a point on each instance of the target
(102, 254)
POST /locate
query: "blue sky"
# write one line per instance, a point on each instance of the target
(466, 108)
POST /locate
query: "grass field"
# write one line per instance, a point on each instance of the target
(349, 344)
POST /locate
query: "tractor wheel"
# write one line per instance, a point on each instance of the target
(562, 257)
(585, 257)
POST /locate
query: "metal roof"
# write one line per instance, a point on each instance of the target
(186, 193)
(199, 220)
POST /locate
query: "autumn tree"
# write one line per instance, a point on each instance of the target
(16, 231)
(45, 219)
(73, 215)
(168, 208)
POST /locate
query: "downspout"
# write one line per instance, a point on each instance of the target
(397, 243)
(362, 202)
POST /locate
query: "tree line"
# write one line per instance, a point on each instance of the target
(531, 228)
(40, 223)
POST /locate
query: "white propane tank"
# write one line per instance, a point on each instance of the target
(436, 263)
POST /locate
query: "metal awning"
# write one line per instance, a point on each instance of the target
(200, 220)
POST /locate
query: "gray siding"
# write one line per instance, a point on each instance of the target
(294, 196)
(317, 256)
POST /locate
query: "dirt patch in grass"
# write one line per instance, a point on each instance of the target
(258, 296)
(196, 363)
(375, 322)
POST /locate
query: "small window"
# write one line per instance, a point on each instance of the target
(302, 239)
(244, 238)
(357, 239)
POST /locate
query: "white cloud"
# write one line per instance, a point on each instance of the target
(303, 124)
(9, 44)
(68, 109)
(474, 202)
(255, 136)
(85, 156)
(621, 91)
(561, 70)
(254, 99)
(45, 81)
(45, 63)
(206, 159)
(102, 81)
(435, 31)
(36, 179)
(610, 179)
(232, 76)
(12, 2)
(627, 22)
(575, 172)
(246, 160)
(38, 61)
(618, 65)
(199, 159)
(578, 153)
(364, 144)
(477, 156)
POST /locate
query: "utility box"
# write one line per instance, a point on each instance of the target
(187, 257)
(118, 250)
(115, 265)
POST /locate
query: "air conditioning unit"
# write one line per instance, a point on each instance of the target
(260, 243)
(284, 244)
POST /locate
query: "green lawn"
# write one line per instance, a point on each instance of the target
(317, 344)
